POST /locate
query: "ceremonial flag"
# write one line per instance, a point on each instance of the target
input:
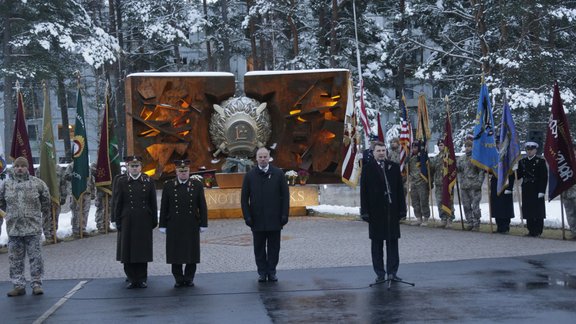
(363, 115)
(350, 165)
(484, 152)
(423, 134)
(20, 141)
(449, 165)
(381, 135)
(108, 162)
(509, 152)
(405, 135)
(80, 170)
(558, 150)
(48, 165)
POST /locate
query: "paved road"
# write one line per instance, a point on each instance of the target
(324, 275)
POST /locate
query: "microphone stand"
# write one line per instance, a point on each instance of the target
(390, 278)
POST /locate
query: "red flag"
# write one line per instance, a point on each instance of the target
(449, 166)
(103, 174)
(380, 129)
(20, 142)
(558, 150)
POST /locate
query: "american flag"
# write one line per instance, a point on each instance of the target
(405, 135)
(363, 115)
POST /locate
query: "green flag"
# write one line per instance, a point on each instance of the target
(80, 170)
(48, 171)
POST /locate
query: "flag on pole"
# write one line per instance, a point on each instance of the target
(449, 165)
(80, 170)
(350, 165)
(558, 150)
(48, 171)
(108, 161)
(405, 135)
(484, 152)
(422, 135)
(20, 141)
(509, 153)
(381, 135)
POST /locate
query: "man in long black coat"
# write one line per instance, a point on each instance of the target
(183, 215)
(265, 203)
(382, 199)
(502, 206)
(136, 215)
(533, 171)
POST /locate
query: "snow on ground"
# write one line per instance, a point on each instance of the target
(553, 217)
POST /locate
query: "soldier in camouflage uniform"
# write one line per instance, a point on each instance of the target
(437, 170)
(419, 190)
(24, 198)
(50, 222)
(470, 179)
(569, 200)
(88, 195)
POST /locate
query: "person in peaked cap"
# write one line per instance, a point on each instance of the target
(183, 215)
(534, 174)
(135, 215)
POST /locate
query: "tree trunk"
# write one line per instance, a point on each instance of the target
(119, 93)
(293, 28)
(209, 58)
(481, 29)
(333, 24)
(400, 78)
(225, 63)
(8, 84)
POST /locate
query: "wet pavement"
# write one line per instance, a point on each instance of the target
(315, 288)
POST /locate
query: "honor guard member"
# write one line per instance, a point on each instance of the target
(419, 190)
(50, 221)
(85, 199)
(183, 215)
(502, 205)
(136, 215)
(24, 198)
(534, 174)
(470, 179)
(437, 170)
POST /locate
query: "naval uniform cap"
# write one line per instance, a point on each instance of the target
(531, 145)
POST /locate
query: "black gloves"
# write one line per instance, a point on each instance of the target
(248, 221)
(365, 217)
(284, 220)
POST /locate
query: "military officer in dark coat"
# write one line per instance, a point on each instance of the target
(136, 215)
(382, 199)
(265, 201)
(534, 174)
(183, 215)
(502, 205)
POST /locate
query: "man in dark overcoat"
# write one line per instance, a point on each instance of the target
(533, 171)
(265, 203)
(502, 205)
(136, 215)
(183, 215)
(382, 199)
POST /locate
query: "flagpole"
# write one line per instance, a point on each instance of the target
(80, 205)
(562, 211)
(106, 215)
(488, 184)
(460, 202)
(518, 198)
(54, 222)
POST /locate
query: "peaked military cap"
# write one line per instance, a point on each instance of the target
(182, 164)
(133, 159)
(531, 145)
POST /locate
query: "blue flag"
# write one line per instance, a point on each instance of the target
(484, 152)
(509, 149)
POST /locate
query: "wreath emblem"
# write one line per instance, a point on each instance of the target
(79, 144)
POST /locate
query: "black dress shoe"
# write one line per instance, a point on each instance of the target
(132, 285)
(394, 277)
(262, 278)
(188, 283)
(179, 284)
(272, 278)
(380, 279)
(142, 284)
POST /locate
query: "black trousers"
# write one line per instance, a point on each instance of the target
(535, 226)
(184, 272)
(502, 225)
(266, 251)
(136, 272)
(392, 257)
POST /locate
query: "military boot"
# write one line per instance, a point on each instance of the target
(425, 223)
(417, 222)
(37, 291)
(17, 291)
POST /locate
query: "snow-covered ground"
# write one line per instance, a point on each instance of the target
(553, 217)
